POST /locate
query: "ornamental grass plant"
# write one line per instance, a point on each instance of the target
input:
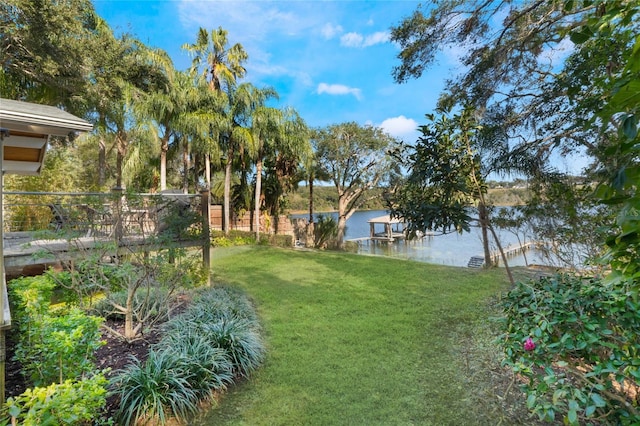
(204, 349)
(155, 390)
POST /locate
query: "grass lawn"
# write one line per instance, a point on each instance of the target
(358, 340)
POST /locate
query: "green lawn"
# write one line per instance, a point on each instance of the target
(358, 340)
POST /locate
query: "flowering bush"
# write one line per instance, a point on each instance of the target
(575, 343)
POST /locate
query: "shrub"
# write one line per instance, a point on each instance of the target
(277, 240)
(52, 347)
(576, 342)
(243, 238)
(68, 403)
(234, 238)
(59, 347)
(227, 320)
(220, 302)
(154, 390)
(30, 297)
(351, 246)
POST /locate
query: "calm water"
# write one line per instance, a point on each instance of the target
(451, 249)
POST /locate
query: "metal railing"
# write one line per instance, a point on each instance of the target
(115, 214)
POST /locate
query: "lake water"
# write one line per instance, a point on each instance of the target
(450, 249)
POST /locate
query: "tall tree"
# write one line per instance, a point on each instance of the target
(516, 63)
(310, 172)
(358, 159)
(139, 75)
(165, 106)
(290, 149)
(447, 178)
(513, 54)
(222, 65)
(47, 50)
(265, 129)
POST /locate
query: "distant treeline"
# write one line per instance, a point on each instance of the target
(325, 198)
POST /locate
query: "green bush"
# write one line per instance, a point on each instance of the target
(212, 304)
(154, 390)
(53, 346)
(227, 320)
(277, 240)
(351, 246)
(59, 348)
(68, 403)
(576, 342)
(234, 238)
(184, 271)
(244, 238)
(30, 297)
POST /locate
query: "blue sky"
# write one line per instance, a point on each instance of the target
(330, 60)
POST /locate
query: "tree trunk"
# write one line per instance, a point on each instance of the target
(342, 225)
(119, 162)
(164, 148)
(227, 192)
(102, 161)
(185, 167)
(483, 219)
(102, 151)
(128, 315)
(207, 169)
(256, 214)
(311, 200)
(310, 225)
(196, 170)
(342, 222)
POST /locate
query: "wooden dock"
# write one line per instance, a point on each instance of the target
(509, 252)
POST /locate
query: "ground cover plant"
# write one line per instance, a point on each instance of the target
(367, 340)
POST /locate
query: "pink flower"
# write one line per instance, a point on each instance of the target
(529, 344)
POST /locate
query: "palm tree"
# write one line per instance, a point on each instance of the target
(266, 126)
(222, 65)
(166, 106)
(311, 172)
(290, 149)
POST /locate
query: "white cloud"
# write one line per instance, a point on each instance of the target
(358, 40)
(376, 38)
(351, 40)
(400, 126)
(329, 30)
(339, 89)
